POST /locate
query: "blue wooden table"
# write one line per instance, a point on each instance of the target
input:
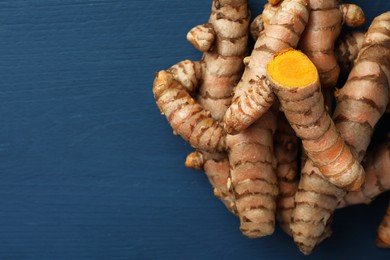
(89, 169)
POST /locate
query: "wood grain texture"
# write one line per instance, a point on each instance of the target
(89, 169)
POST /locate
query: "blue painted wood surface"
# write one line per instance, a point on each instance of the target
(89, 169)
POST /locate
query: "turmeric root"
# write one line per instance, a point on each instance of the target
(347, 49)
(286, 153)
(377, 167)
(252, 95)
(218, 173)
(260, 21)
(303, 105)
(256, 27)
(269, 10)
(253, 179)
(315, 201)
(365, 96)
(221, 45)
(295, 81)
(383, 233)
(216, 167)
(315, 195)
(187, 117)
(323, 28)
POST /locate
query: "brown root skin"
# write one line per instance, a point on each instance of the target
(377, 167)
(202, 37)
(188, 73)
(186, 117)
(295, 81)
(347, 49)
(324, 27)
(218, 172)
(257, 26)
(364, 98)
(252, 95)
(216, 167)
(253, 179)
(286, 153)
(383, 233)
(269, 11)
(315, 199)
(353, 15)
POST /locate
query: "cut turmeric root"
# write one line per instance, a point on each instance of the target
(295, 81)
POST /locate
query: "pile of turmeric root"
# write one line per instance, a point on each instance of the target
(277, 135)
